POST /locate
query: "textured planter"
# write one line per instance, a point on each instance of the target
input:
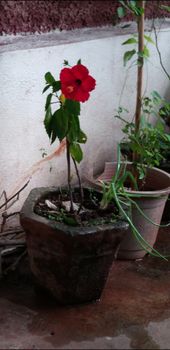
(72, 263)
(152, 204)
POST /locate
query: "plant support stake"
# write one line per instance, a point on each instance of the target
(140, 23)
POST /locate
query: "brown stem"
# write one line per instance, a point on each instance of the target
(15, 195)
(80, 185)
(69, 176)
(159, 53)
(140, 24)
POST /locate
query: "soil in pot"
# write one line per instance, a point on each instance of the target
(71, 262)
(56, 206)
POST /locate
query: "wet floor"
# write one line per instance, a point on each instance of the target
(133, 313)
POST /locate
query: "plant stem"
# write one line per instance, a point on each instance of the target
(140, 23)
(80, 186)
(159, 53)
(69, 175)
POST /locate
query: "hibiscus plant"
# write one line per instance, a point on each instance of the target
(63, 123)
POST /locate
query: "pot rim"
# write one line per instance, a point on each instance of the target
(37, 192)
(153, 193)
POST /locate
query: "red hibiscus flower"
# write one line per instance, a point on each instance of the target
(76, 83)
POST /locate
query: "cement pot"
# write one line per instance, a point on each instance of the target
(152, 204)
(72, 263)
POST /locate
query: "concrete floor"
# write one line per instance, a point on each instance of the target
(133, 313)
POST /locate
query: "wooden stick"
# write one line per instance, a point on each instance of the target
(8, 242)
(140, 24)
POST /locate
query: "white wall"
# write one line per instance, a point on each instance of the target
(23, 63)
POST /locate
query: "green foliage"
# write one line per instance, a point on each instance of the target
(132, 7)
(47, 121)
(130, 41)
(59, 124)
(82, 137)
(74, 128)
(149, 39)
(76, 152)
(49, 78)
(64, 122)
(48, 101)
(51, 82)
(56, 86)
(46, 88)
(73, 107)
(121, 12)
(151, 142)
(165, 7)
(66, 63)
(116, 190)
(129, 6)
(128, 55)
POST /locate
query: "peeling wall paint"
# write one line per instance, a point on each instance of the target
(23, 16)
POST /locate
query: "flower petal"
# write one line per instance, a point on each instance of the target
(68, 90)
(66, 76)
(80, 71)
(89, 83)
(81, 95)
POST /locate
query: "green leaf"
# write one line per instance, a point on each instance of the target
(146, 52)
(74, 128)
(66, 63)
(160, 126)
(46, 88)
(76, 152)
(82, 137)
(47, 121)
(121, 12)
(59, 124)
(71, 221)
(148, 38)
(53, 136)
(130, 41)
(49, 78)
(156, 95)
(79, 61)
(48, 101)
(128, 55)
(73, 107)
(56, 86)
(138, 11)
(164, 7)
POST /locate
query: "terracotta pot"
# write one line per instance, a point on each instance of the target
(72, 263)
(166, 214)
(152, 204)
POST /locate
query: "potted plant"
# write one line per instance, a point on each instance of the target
(164, 113)
(139, 189)
(71, 242)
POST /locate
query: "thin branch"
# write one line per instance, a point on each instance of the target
(80, 186)
(159, 53)
(15, 195)
(11, 232)
(12, 242)
(11, 214)
(69, 175)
